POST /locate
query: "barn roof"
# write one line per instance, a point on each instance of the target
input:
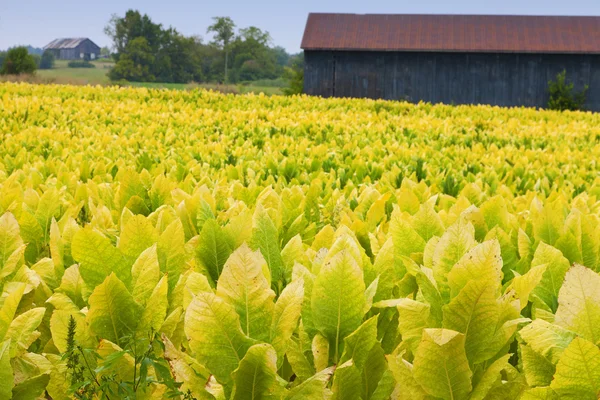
(452, 33)
(66, 43)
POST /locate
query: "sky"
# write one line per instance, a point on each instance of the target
(38, 22)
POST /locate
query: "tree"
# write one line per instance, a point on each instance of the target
(223, 28)
(47, 60)
(295, 76)
(18, 61)
(105, 51)
(134, 63)
(563, 96)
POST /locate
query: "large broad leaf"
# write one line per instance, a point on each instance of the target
(215, 335)
(488, 379)
(453, 245)
(338, 299)
(285, 316)
(546, 339)
(406, 240)
(31, 388)
(98, 258)
(10, 239)
(403, 372)
(314, 388)
(137, 234)
(441, 366)
(427, 222)
(579, 303)
(256, 376)
(22, 331)
(523, 285)
(113, 312)
(6, 373)
(265, 238)
(213, 249)
(10, 305)
(476, 313)
(483, 262)
(155, 310)
(171, 252)
(48, 208)
(145, 274)
(359, 343)
(538, 369)
(556, 268)
(578, 372)
(346, 382)
(243, 284)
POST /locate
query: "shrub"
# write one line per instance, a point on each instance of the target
(18, 61)
(563, 96)
(295, 77)
(47, 60)
(80, 64)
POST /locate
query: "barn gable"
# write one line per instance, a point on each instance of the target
(73, 48)
(462, 59)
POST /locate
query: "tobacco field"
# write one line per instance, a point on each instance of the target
(168, 244)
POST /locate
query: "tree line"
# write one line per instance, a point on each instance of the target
(145, 51)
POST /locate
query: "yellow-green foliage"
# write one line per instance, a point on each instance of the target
(296, 247)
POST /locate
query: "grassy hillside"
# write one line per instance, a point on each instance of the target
(62, 74)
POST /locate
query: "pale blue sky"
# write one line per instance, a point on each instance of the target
(38, 22)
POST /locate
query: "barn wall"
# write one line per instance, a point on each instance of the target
(459, 78)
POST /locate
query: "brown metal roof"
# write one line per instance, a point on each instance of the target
(453, 33)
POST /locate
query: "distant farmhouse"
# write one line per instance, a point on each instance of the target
(74, 49)
(460, 59)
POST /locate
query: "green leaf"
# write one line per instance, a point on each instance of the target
(265, 238)
(453, 245)
(403, 372)
(338, 299)
(579, 303)
(406, 240)
(145, 274)
(578, 372)
(213, 248)
(155, 310)
(346, 382)
(427, 222)
(215, 335)
(98, 258)
(359, 343)
(539, 393)
(546, 339)
(483, 262)
(285, 316)
(10, 305)
(113, 312)
(137, 234)
(6, 371)
(372, 371)
(171, 252)
(10, 239)
(523, 285)
(441, 366)
(556, 268)
(475, 313)
(538, 369)
(256, 376)
(48, 208)
(314, 388)
(31, 388)
(22, 331)
(320, 351)
(491, 375)
(243, 284)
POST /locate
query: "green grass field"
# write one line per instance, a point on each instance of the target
(62, 74)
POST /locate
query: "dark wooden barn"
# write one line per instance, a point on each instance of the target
(452, 59)
(74, 49)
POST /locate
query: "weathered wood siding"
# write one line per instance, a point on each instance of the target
(453, 78)
(86, 47)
